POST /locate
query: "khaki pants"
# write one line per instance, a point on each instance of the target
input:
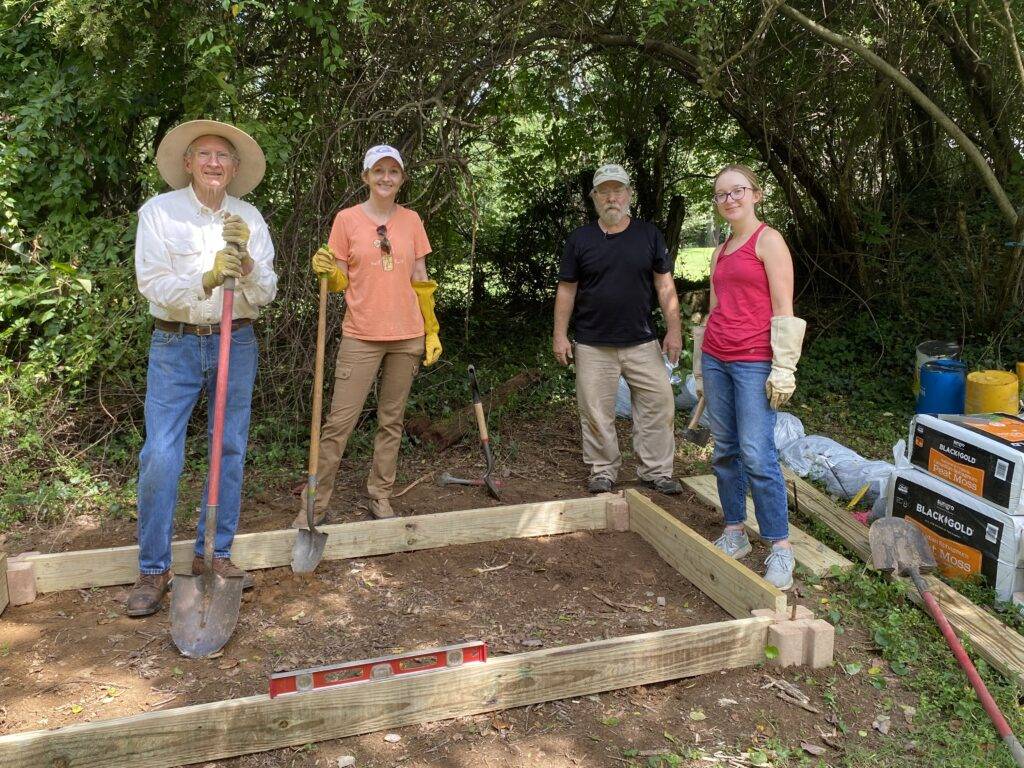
(354, 374)
(597, 380)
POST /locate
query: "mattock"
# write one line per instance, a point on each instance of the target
(485, 442)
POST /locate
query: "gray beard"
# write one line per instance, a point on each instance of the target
(612, 219)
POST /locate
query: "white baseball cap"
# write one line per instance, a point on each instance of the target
(610, 172)
(375, 154)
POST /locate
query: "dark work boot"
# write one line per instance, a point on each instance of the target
(665, 485)
(149, 590)
(223, 566)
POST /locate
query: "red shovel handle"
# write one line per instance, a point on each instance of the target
(221, 397)
(987, 702)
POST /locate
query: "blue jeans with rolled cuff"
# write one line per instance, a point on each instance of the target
(181, 366)
(743, 426)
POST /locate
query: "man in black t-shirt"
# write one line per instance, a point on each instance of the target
(609, 273)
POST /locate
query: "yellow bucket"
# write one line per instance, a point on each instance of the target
(992, 392)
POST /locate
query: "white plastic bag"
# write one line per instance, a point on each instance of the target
(843, 470)
(623, 397)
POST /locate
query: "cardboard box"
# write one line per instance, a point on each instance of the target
(968, 536)
(982, 454)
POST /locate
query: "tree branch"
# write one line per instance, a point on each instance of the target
(969, 147)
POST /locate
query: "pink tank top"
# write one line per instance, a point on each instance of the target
(739, 327)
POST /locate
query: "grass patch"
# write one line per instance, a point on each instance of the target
(694, 264)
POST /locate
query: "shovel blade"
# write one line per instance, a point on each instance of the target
(204, 611)
(899, 545)
(698, 436)
(308, 550)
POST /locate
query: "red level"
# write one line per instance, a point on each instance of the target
(303, 680)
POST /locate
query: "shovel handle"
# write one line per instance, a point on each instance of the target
(987, 702)
(220, 401)
(697, 412)
(318, 402)
(318, 380)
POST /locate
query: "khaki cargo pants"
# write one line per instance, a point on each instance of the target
(597, 380)
(354, 374)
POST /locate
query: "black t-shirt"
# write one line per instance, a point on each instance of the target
(615, 273)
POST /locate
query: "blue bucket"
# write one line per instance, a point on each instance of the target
(943, 387)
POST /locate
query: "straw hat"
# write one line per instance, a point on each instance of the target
(171, 152)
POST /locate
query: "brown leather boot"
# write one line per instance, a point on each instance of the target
(149, 590)
(223, 566)
(381, 509)
(319, 518)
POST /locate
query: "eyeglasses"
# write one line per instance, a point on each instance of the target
(206, 155)
(736, 193)
(387, 260)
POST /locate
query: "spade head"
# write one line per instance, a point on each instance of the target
(899, 545)
(699, 436)
(204, 611)
(308, 549)
(309, 542)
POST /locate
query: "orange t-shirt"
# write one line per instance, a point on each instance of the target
(381, 304)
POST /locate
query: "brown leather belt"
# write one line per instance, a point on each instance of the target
(198, 330)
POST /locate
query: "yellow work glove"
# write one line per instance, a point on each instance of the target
(698, 375)
(787, 342)
(425, 298)
(324, 265)
(236, 232)
(226, 263)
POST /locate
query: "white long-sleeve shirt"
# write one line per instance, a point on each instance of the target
(175, 244)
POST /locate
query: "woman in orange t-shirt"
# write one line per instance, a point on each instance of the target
(377, 255)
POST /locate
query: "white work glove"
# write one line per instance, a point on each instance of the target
(697, 332)
(787, 341)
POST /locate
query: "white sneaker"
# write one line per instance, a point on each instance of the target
(780, 567)
(734, 543)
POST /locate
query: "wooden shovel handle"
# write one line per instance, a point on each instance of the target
(318, 380)
(697, 413)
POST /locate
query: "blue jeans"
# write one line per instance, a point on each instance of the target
(743, 425)
(180, 367)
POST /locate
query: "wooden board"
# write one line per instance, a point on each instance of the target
(205, 732)
(5, 597)
(1000, 645)
(726, 581)
(272, 549)
(809, 552)
(818, 506)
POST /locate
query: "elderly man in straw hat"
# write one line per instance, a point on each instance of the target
(188, 242)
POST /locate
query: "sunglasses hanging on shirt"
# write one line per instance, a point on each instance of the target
(387, 261)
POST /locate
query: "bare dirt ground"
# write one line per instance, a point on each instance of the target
(74, 657)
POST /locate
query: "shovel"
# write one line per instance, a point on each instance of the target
(309, 542)
(204, 609)
(485, 441)
(898, 545)
(694, 433)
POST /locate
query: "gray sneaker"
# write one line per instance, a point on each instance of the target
(734, 543)
(599, 484)
(780, 567)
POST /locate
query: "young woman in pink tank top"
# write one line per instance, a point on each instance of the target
(744, 365)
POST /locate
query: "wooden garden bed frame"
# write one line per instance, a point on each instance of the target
(203, 732)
